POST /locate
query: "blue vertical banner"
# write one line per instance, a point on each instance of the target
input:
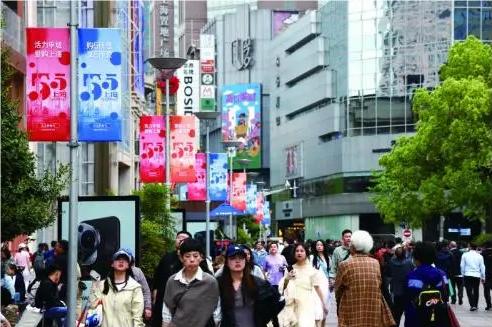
(99, 61)
(251, 198)
(218, 176)
(266, 214)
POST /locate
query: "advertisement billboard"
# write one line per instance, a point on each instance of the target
(152, 152)
(48, 84)
(207, 72)
(293, 161)
(283, 19)
(238, 198)
(99, 62)
(183, 149)
(251, 190)
(241, 120)
(197, 191)
(218, 176)
(105, 224)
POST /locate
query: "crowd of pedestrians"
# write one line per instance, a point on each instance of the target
(272, 284)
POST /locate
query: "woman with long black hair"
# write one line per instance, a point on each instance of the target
(246, 300)
(121, 295)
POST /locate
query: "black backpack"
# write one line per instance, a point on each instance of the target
(431, 308)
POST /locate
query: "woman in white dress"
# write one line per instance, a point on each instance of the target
(307, 282)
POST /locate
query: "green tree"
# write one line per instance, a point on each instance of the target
(447, 164)
(28, 202)
(157, 226)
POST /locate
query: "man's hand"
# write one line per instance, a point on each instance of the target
(147, 313)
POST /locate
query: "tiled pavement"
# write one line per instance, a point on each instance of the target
(479, 318)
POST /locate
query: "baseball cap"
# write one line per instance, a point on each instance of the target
(122, 253)
(233, 250)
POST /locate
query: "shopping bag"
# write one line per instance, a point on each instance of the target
(31, 317)
(94, 316)
(450, 288)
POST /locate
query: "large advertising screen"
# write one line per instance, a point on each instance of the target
(241, 121)
(105, 224)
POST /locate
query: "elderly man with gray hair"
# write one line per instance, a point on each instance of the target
(358, 287)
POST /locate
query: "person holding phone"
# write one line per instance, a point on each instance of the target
(306, 280)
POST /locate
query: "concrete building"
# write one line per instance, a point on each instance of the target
(344, 78)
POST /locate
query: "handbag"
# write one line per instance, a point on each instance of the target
(453, 321)
(94, 316)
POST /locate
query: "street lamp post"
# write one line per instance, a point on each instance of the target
(207, 116)
(167, 66)
(231, 151)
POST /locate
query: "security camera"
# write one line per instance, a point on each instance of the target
(89, 240)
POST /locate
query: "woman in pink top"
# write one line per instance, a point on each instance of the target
(23, 259)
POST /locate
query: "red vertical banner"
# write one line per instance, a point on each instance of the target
(260, 203)
(238, 199)
(48, 84)
(183, 134)
(198, 191)
(152, 152)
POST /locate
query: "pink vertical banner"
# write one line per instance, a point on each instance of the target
(260, 202)
(152, 152)
(198, 191)
(238, 199)
(183, 134)
(48, 84)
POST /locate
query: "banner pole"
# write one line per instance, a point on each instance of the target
(168, 151)
(72, 287)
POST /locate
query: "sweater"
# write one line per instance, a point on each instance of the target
(472, 265)
(191, 304)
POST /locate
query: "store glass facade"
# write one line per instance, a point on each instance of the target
(473, 18)
(383, 51)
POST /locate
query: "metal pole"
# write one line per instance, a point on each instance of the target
(207, 201)
(230, 194)
(74, 175)
(168, 151)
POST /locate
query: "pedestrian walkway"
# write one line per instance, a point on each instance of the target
(479, 318)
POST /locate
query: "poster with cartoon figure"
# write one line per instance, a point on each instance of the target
(241, 121)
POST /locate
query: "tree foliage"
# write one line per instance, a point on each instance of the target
(27, 201)
(447, 164)
(157, 226)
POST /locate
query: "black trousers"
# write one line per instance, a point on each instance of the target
(398, 307)
(486, 292)
(457, 283)
(472, 285)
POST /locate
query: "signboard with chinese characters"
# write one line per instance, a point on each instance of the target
(207, 72)
(197, 191)
(183, 149)
(218, 176)
(100, 117)
(188, 96)
(137, 52)
(293, 161)
(241, 120)
(165, 43)
(152, 152)
(48, 84)
(238, 196)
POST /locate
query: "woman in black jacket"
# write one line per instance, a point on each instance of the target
(246, 300)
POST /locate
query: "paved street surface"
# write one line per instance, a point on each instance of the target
(479, 318)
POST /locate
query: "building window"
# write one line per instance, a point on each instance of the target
(277, 102)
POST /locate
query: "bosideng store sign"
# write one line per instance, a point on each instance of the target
(188, 96)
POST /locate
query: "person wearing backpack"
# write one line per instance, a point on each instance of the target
(426, 291)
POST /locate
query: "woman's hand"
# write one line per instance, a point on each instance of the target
(291, 274)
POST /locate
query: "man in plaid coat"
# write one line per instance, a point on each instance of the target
(358, 288)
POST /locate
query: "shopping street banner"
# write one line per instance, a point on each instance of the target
(238, 198)
(197, 191)
(251, 198)
(218, 176)
(241, 121)
(260, 203)
(152, 152)
(183, 149)
(100, 116)
(266, 214)
(48, 84)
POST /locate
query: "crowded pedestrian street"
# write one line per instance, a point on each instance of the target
(246, 163)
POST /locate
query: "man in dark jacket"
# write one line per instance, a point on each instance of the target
(444, 259)
(487, 286)
(47, 295)
(168, 266)
(455, 275)
(397, 271)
